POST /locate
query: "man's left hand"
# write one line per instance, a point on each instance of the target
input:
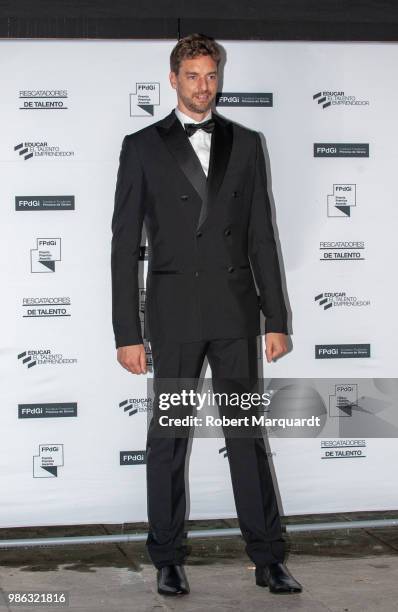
(275, 345)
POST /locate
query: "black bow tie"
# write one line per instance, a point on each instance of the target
(207, 126)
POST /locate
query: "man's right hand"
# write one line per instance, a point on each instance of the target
(132, 358)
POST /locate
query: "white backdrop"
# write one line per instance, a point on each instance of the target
(70, 453)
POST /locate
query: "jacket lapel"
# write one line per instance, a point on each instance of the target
(178, 143)
(180, 147)
(220, 153)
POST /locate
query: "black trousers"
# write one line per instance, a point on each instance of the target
(256, 504)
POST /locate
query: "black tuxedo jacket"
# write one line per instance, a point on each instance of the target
(203, 234)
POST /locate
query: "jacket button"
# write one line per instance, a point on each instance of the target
(196, 273)
(227, 232)
(231, 269)
(199, 234)
(184, 197)
(235, 194)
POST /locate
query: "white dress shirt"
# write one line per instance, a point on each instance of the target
(201, 140)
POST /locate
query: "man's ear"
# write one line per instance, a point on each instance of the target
(173, 79)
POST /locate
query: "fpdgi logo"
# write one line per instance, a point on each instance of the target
(145, 98)
(46, 410)
(343, 400)
(341, 351)
(46, 253)
(341, 149)
(342, 200)
(47, 462)
(45, 202)
(248, 99)
(132, 457)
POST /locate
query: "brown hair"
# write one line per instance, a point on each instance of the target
(191, 46)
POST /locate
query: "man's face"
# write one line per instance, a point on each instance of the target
(196, 83)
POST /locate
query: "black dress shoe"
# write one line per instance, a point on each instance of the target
(278, 578)
(172, 580)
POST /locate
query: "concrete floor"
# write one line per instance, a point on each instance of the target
(350, 570)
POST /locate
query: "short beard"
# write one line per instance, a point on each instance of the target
(197, 109)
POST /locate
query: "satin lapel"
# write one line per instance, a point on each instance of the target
(180, 147)
(220, 153)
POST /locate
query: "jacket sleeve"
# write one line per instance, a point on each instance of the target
(127, 221)
(262, 250)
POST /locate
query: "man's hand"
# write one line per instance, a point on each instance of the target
(132, 358)
(275, 345)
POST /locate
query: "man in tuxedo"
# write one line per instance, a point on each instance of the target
(197, 181)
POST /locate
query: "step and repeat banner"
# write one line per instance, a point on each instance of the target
(73, 421)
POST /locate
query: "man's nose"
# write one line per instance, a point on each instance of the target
(202, 85)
